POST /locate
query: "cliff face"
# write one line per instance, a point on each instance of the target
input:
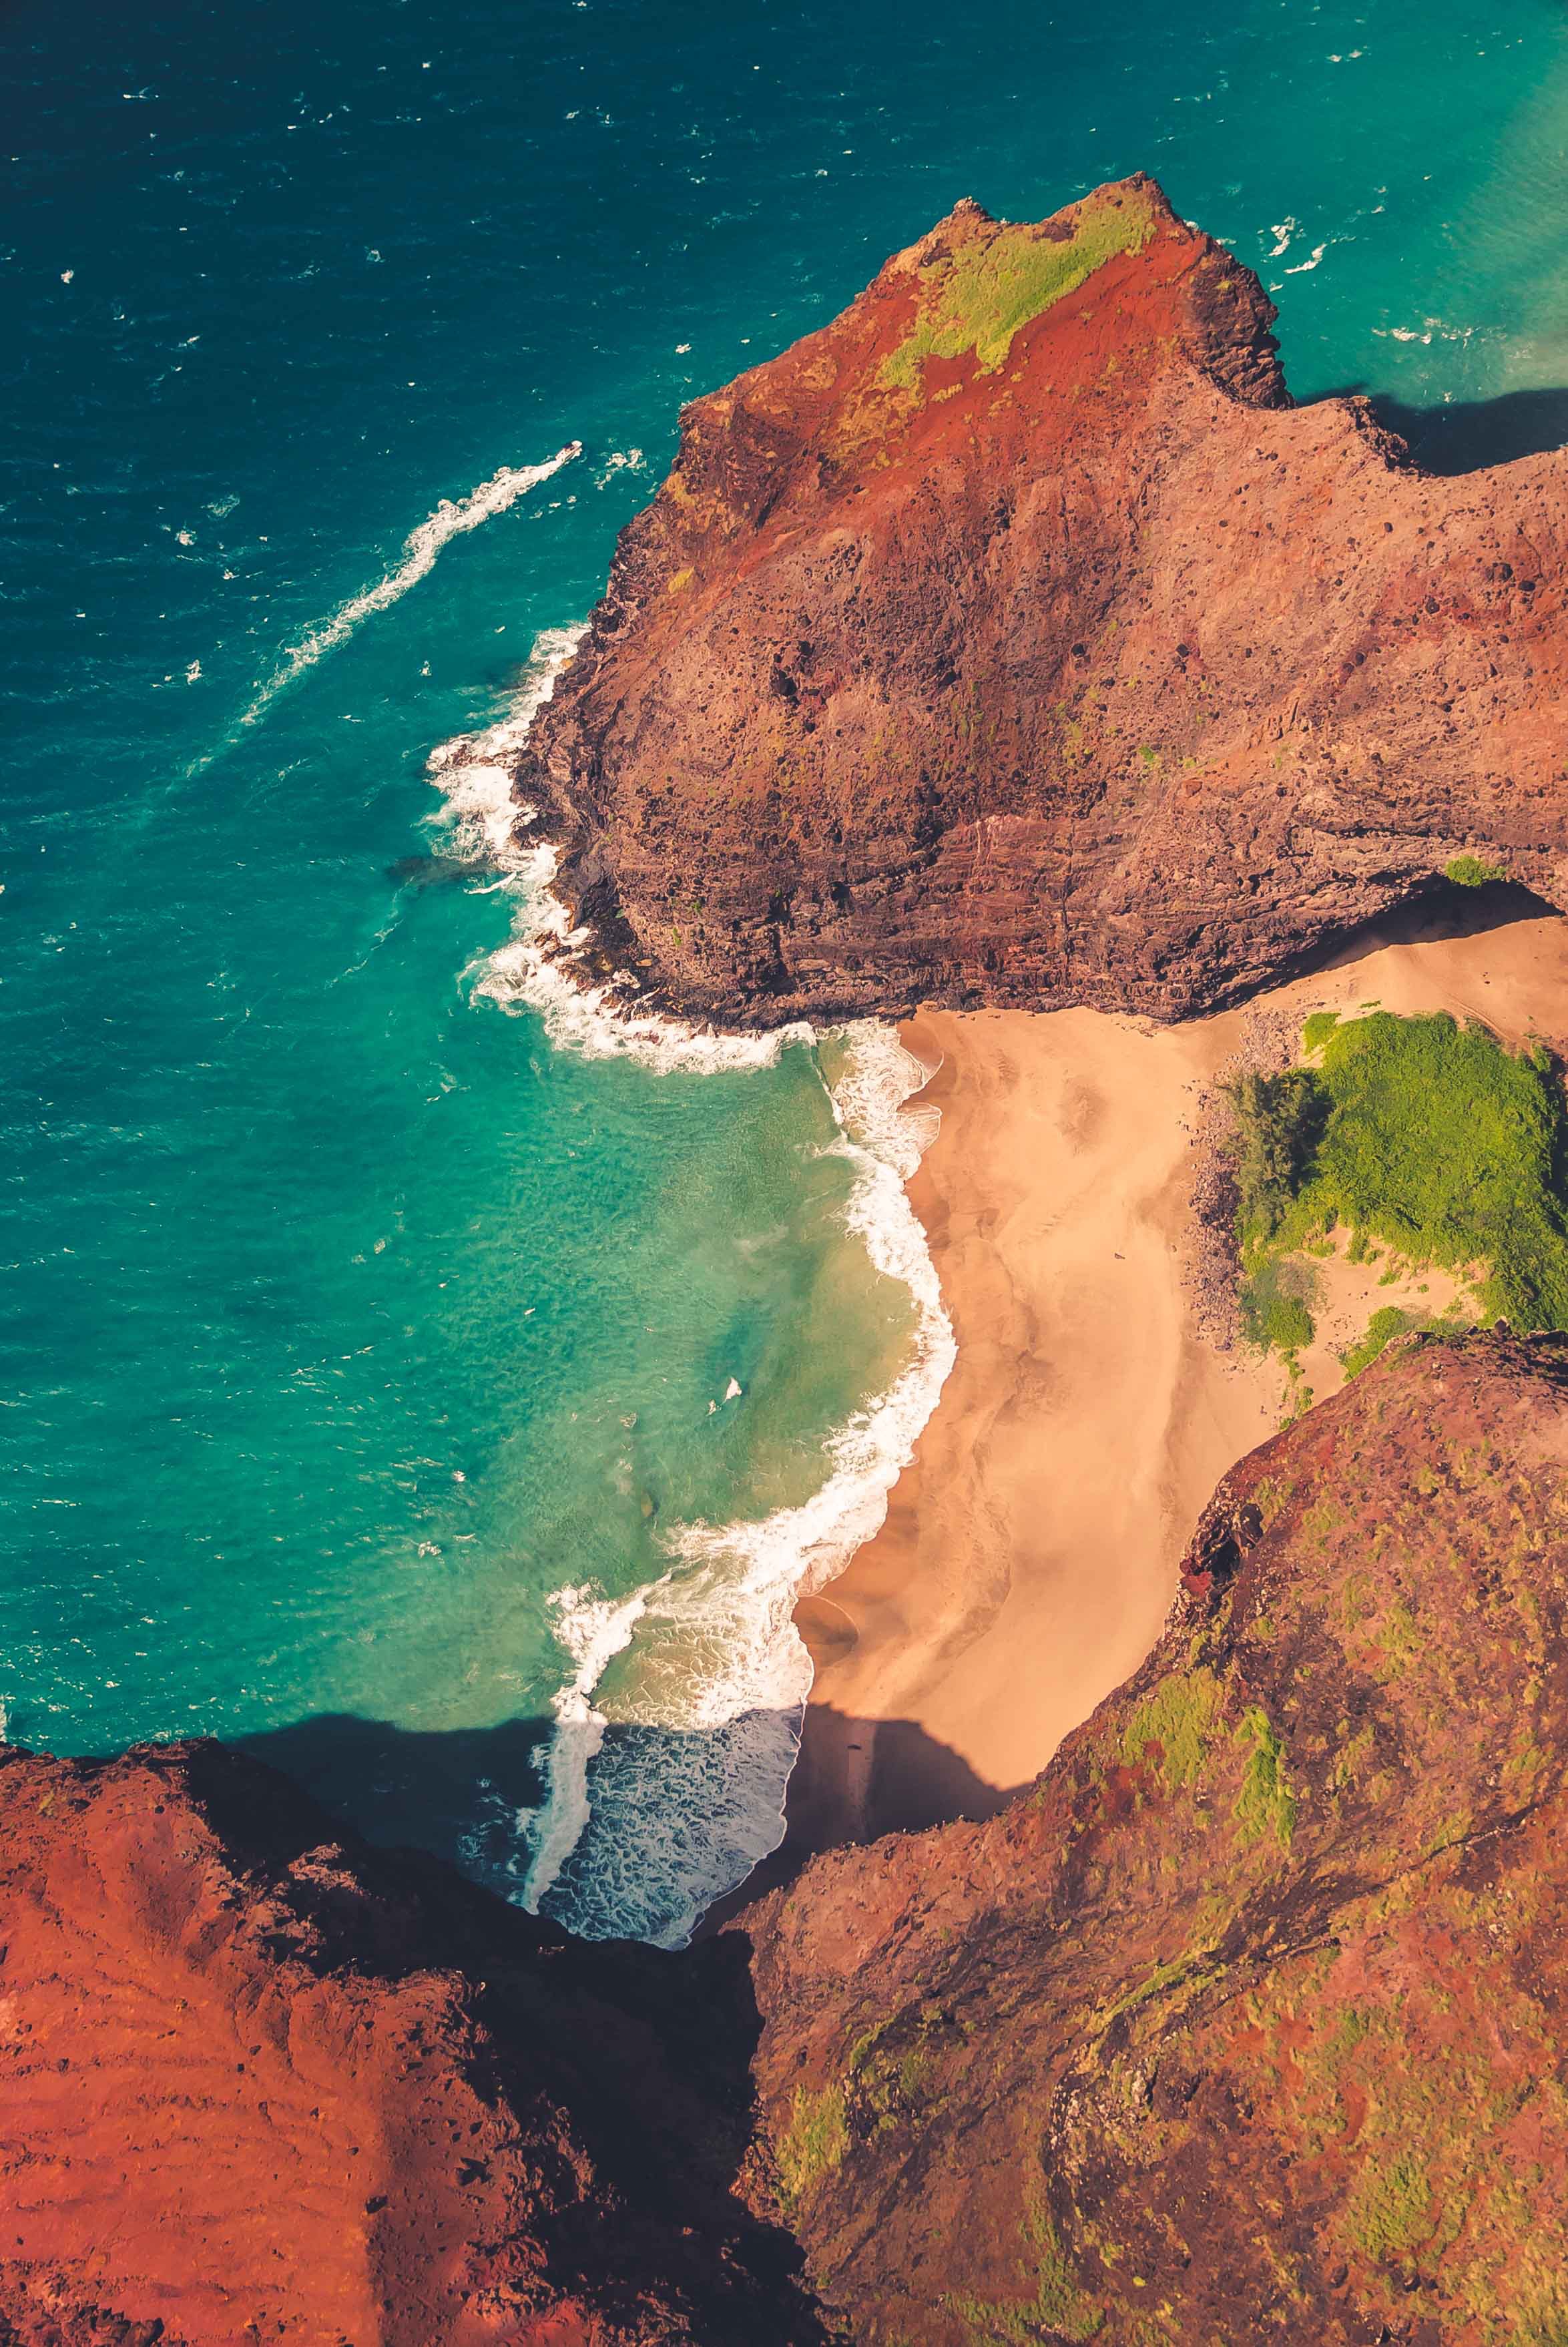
(1013, 641)
(256, 2084)
(1248, 2021)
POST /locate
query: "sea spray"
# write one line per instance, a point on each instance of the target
(593, 1630)
(659, 1805)
(538, 968)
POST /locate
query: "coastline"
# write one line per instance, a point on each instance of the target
(1030, 1553)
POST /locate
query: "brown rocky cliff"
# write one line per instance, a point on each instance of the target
(1012, 640)
(1248, 2021)
(258, 2084)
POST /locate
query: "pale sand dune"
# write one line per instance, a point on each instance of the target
(1031, 1550)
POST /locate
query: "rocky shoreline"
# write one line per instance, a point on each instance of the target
(1248, 2011)
(1065, 665)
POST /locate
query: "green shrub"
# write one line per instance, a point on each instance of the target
(814, 2142)
(1385, 1325)
(1422, 1134)
(1274, 1305)
(977, 297)
(1279, 1120)
(1450, 1149)
(1470, 872)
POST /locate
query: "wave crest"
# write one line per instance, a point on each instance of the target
(451, 517)
(641, 1830)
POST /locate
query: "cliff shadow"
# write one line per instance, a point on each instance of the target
(650, 2051)
(411, 1788)
(463, 1795)
(1442, 908)
(855, 1780)
(1469, 436)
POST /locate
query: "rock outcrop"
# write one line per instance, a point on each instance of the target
(1248, 2021)
(1014, 641)
(259, 2085)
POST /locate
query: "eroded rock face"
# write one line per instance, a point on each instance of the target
(1013, 641)
(1248, 2021)
(257, 2085)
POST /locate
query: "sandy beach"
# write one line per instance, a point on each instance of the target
(1031, 1550)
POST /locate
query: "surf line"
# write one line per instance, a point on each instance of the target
(732, 1587)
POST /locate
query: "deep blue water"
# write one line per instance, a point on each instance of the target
(346, 1319)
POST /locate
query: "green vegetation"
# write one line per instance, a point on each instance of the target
(813, 2143)
(1470, 872)
(979, 298)
(1385, 1325)
(1546, 2325)
(1273, 1306)
(1179, 1717)
(1266, 1803)
(887, 2088)
(1279, 1123)
(1390, 2211)
(1418, 1132)
(1060, 2310)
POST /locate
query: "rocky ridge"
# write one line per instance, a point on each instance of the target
(261, 2083)
(1249, 2020)
(1013, 640)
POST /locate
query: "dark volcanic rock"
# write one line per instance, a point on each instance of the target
(1012, 640)
(1248, 2021)
(256, 2084)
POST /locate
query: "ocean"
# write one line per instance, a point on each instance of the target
(404, 1368)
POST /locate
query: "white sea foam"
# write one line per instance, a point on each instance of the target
(639, 1836)
(720, 1671)
(593, 1629)
(541, 966)
(451, 517)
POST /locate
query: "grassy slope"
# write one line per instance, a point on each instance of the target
(978, 299)
(1421, 1133)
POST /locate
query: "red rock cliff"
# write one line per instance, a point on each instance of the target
(1248, 2021)
(1012, 640)
(256, 2084)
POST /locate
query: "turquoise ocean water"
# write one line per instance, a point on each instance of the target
(396, 1369)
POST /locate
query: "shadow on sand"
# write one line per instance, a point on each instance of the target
(463, 1794)
(1440, 909)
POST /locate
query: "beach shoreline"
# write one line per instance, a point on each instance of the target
(1030, 1549)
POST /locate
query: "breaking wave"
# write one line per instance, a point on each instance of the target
(649, 1818)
